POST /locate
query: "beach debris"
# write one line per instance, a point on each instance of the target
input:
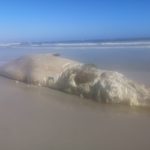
(56, 54)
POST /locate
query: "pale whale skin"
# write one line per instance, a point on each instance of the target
(76, 78)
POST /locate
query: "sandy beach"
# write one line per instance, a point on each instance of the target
(74, 75)
(40, 118)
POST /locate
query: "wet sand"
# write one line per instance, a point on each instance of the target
(35, 118)
(140, 77)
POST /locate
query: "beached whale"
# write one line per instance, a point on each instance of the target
(36, 69)
(76, 78)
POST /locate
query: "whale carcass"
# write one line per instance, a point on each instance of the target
(76, 78)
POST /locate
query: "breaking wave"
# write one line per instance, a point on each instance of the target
(105, 44)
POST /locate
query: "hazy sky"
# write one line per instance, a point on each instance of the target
(73, 19)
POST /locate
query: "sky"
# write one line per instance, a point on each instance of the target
(53, 20)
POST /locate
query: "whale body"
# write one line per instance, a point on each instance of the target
(76, 78)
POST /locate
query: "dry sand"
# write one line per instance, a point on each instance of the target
(35, 118)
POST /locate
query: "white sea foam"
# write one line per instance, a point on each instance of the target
(10, 44)
(105, 44)
(127, 44)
